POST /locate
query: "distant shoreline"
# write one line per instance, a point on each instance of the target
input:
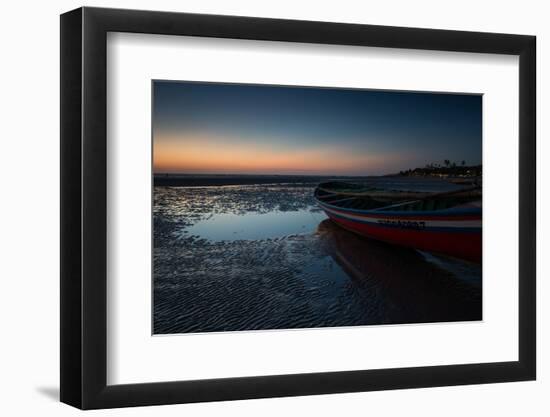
(203, 180)
(191, 180)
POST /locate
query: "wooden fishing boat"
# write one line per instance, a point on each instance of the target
(448, 223)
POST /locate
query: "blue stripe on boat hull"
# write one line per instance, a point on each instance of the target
(400, 213)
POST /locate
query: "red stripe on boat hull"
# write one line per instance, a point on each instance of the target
(405, 215)
(464, 245)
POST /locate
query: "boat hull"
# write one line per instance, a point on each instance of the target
(453, 233)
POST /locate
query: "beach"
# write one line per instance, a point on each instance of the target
(263, 256)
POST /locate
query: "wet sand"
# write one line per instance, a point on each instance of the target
(320, 275)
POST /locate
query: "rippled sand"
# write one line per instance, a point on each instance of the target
(323, 277)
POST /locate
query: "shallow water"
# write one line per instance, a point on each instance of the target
(254, 226)
(265, 257)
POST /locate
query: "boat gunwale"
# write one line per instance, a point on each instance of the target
(453, 212)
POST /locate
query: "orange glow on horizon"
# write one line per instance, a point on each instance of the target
(212, 155)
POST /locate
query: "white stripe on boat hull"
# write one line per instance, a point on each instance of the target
(474, 224)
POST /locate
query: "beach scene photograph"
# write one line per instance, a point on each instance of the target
(290, 207)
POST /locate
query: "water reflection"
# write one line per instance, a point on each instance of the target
(255, 226)
(414, 288)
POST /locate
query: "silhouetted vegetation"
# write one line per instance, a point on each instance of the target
(447, 169)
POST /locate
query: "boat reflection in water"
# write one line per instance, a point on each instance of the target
(401, 284)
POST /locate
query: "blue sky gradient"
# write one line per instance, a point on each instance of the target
(379, 131)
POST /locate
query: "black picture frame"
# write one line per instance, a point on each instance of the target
(84, 207)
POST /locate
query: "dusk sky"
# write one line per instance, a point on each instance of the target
(253, 129)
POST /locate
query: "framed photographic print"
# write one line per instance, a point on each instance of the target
(257, 208)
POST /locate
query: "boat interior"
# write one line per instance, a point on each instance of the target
(357, 197)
